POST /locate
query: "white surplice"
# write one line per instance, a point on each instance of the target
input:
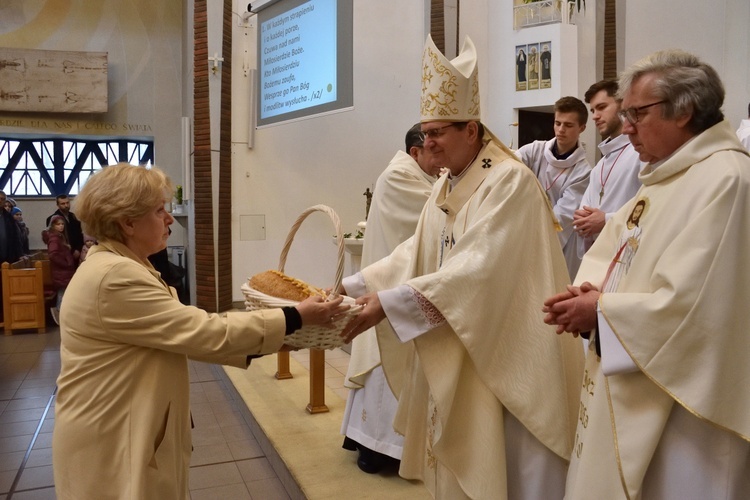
(564, 181)
(613, 181)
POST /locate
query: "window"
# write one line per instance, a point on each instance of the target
(59, 165)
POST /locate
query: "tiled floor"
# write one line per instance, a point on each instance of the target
(228, 459)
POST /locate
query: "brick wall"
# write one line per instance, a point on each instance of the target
(224, 225)
(213, 262)
(610, 39)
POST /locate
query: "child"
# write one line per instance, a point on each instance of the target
(88, 242)
(62, 262)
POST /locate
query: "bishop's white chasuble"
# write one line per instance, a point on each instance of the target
(486, 255)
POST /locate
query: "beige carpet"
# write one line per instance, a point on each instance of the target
(310, 445)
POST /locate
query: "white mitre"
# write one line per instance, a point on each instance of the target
(450, 89)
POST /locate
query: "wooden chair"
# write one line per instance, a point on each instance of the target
(23, 296)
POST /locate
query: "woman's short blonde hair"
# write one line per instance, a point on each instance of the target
(119, 192)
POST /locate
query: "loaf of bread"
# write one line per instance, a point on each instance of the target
(278, 284)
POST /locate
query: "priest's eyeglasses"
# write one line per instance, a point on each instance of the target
(434, 133)
(632, 115)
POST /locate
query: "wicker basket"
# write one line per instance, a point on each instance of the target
(313, 336)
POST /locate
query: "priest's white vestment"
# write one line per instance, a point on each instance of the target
(665, 411)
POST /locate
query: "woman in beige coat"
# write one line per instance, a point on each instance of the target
(122, 418)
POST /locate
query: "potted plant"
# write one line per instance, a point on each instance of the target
(178, 199)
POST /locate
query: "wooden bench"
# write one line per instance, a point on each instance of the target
(24, 296)
(50, 292)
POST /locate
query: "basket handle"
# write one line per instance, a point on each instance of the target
(339, 241)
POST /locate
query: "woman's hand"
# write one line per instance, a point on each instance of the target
(315, 311)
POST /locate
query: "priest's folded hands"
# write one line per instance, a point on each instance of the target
(574, 310)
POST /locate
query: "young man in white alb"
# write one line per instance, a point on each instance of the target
(560, 165)
(614, 179)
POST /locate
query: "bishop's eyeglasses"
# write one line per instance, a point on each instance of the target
(435, 133)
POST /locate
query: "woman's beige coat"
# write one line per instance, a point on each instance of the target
(122, 413)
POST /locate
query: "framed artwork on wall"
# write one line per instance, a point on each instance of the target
(533, 65)
(521, 71)
(545, 65)
(53, 81)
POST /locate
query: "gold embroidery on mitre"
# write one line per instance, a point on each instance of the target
(447, 93)
(474, 109)
(443, 102)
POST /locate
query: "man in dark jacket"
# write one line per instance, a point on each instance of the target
(10, 239)
(73, 226)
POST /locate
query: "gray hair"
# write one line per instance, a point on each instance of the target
(685, 84)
